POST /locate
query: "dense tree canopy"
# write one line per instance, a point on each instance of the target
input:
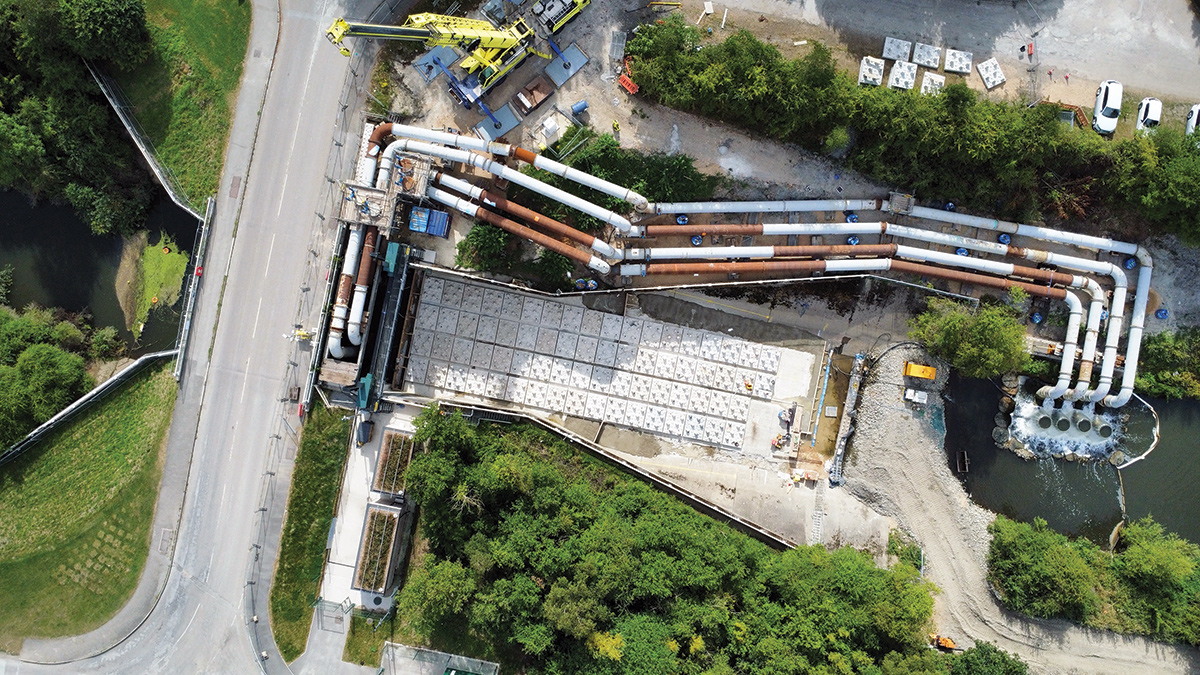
(1170, 365)
(1150, 585)
(58, 137)
(553, 563)
(1003, 158)
(983, 343)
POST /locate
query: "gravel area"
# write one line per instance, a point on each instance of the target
(896, 465)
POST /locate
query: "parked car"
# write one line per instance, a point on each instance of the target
(1149, 114)
(1108, 107)
(1189, 127)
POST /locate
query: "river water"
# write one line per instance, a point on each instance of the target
(58, 262)
(1073, 497)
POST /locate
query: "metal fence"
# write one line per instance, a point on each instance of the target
(82, 403)
(123, 108)
(194, 272)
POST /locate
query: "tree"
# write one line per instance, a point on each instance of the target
(986, 659)
(485, 248)
(106, 344)
(1040, 572)
(21, 152)
(111, 30)
(986, 343)
(51, 379)
(1155, 561)
(438, 592)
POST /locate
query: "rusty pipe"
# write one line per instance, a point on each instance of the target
(529, 215)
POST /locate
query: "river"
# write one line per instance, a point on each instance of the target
(1077, 498)
(58, 262)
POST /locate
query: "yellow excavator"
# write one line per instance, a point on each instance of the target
(492, 53)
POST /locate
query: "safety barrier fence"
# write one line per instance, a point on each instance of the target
(82, 403)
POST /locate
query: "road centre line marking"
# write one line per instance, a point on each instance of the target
(255, 331)
(270, 252)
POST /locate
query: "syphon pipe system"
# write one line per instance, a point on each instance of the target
(504, 150)
(358, 308)
(475, 211)
(1081, 389)
(341, 305)
(528, 215)
(460, 145)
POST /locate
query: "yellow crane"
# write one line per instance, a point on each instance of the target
(492, 53)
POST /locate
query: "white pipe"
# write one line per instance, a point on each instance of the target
(1043, 233)
(471, 210)
(1136, 324)
(445, 138)
(1047, 392)
(474, 192)
(337, 325)
(769, 206)
(955, 260)
(504, 149)
(495, 168)
(357, 309)
(1088, 357)
(353, 251)
(559, 169)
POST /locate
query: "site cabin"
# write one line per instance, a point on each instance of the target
(532, 95)
(917, 370)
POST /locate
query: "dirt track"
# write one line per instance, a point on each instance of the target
(897, 467)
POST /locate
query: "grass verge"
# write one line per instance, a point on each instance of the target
(311, 504)
(184, 93)
(364, 644)
(160, 278)
(77, 513)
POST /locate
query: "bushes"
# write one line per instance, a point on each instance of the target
(554, 563)
(1150, 585)
(985, 343)
(998, 157)
(1170, 365)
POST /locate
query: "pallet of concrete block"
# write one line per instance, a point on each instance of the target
(896, 49)
(932, 83)
(927, 55)
(903, 76)
(870, 71)
(990, 72)
(958, 61)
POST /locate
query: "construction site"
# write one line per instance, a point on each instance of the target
(633, 364)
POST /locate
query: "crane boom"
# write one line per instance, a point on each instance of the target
(434, 30)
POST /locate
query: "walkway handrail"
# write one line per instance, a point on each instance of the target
(103, 388)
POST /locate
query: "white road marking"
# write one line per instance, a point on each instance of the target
(185, 629)
(295, 135)
(270, 252)
(256, 314)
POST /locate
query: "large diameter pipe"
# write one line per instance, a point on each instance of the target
(1088, 357)
(528, 215)
(375, 142)
(337, 326)
(785, 206)
(586, 179)
(1048, 392)
(855, 265)
(495, 168)
(1136, 325)
(504, 149)
(359, 306)
(723, 252)
(474, 211)
(1042, 233)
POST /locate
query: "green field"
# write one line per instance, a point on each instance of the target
(364, 644)
(184, 93)
(77, 514)
(315, 482)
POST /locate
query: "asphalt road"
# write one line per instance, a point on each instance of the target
(261, 279)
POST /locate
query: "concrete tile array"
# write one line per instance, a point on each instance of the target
(664, 378)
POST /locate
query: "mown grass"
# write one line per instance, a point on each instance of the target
(77, 510)
(364, 644)
(311, 504)
(184, 93)
(160, 278)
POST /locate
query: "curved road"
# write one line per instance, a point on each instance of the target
(238, 369)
